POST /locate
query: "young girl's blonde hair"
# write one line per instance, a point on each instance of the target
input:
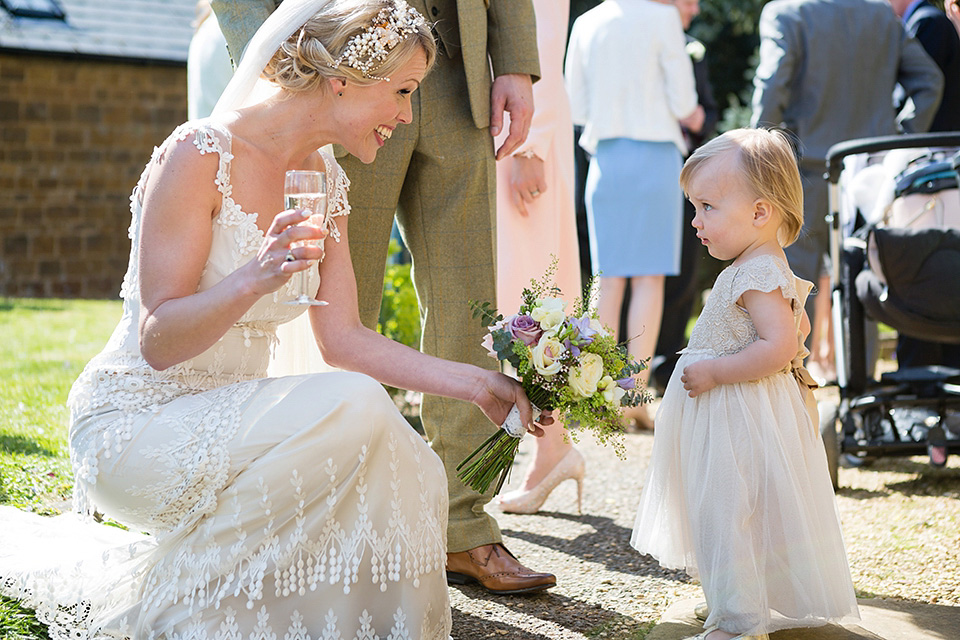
(769, 165)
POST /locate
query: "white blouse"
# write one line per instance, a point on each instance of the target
(628, 74)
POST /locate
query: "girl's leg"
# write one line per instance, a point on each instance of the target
(643, 327)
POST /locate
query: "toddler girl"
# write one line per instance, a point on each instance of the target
(738, 492)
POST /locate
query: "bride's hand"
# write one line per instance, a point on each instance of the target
(497, 394)
(277, 260)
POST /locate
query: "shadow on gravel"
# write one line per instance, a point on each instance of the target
(608, 544)
(467, 627)
(860, 494)
(920, 619)
(550, 610)
(927, 480)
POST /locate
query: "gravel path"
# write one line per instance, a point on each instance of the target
(901, 521)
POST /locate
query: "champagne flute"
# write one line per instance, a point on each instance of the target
(307, 190)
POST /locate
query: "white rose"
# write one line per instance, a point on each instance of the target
(549, 313)
(546, 355)
(585, 376)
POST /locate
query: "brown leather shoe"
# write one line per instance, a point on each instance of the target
(496, 570)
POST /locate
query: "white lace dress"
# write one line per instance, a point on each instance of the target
(288, 508)
(738, 492)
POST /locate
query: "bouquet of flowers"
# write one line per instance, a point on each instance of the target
(569, 364)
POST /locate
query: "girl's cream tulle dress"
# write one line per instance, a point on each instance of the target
(738, 493)
(277, 508)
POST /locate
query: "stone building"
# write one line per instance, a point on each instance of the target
(87, 89)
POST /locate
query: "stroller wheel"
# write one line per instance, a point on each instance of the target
(937, 447)
(853, 461)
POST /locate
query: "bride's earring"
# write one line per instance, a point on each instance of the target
(340, 94)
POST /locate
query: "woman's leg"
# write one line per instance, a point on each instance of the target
(610, 299)
(643, 327)
(547, 452)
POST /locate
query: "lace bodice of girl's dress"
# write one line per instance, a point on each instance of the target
(120, 378)
(724, 327)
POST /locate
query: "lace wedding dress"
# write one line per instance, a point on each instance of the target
(738, 492)
(290, 508)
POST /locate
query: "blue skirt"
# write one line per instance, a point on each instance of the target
(635, 208)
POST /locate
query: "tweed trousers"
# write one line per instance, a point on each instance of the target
(438, 176)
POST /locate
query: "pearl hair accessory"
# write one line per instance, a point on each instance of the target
(366, 51)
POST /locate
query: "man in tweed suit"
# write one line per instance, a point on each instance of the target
(827, 72)
(438, 175)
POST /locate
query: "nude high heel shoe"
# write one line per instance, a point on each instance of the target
(572, 465)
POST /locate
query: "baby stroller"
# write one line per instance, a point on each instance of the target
(895, 249)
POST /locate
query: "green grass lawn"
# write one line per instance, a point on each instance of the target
(44, 345)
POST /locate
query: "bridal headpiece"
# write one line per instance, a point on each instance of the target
(366, 51)
(363, 52)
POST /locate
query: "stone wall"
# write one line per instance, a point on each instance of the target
(74, 137)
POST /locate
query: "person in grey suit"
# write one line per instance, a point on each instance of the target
(827, 72)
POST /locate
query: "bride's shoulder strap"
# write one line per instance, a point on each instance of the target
(206, 136)
(337, 187)
(213, 137)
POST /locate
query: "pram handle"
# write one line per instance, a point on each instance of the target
(841, 150)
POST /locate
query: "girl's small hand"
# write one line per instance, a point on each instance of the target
(277, 260)
(698, 378)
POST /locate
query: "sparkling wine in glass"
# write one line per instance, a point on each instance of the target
(307, 190)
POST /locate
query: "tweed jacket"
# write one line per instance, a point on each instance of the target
(497, 35)
(828, 69)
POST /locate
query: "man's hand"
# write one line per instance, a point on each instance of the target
(513, 93)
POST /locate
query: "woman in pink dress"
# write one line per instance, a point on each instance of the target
(536, 221)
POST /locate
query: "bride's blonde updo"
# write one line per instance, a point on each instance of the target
(321, 49)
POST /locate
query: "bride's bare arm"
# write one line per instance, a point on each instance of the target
(347, 344)
(180, 200)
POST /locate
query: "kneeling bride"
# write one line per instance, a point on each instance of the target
(297, 506)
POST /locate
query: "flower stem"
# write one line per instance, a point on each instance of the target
(491, 460)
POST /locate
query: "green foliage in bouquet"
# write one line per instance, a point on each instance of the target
(569, 364)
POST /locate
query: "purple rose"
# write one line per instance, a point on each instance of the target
(627, 383)
(525, 329)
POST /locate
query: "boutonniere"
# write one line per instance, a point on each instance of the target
(696, 50)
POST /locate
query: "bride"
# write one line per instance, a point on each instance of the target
(298, 506)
